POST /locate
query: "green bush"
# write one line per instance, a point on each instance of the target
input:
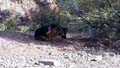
(10, 23)
(2, 26)
(23, 28)
(45, 19)
(33, 27)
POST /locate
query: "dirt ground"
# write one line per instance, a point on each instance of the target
(20, 50)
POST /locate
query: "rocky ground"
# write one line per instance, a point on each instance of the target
(19, 50)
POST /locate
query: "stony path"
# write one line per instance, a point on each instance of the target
(15, 54)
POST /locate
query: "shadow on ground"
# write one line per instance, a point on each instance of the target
(76, 42)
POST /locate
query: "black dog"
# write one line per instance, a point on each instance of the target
(50, 31)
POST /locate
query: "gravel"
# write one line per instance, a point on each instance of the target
(35, 54)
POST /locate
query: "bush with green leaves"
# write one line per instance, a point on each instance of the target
(2, 26)
(45, 19)
(11, 23)
(23, 28)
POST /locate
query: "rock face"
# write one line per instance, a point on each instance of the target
(28, 7)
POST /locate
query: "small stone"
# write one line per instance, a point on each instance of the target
(98, 58)
(112, 55)
(30, 44)
(38, 47)
(50, 62)
(50, 53)
(93, 60)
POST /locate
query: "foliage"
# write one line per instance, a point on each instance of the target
(2, 26)
(40, 20)
(64, 17)
(33, 27)
(101, 18)
(23, 28)
(11, 23)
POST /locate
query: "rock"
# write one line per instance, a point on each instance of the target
(97, 58)
(48, 62)
(93, 60)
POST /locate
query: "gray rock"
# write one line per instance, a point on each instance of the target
(48, 62)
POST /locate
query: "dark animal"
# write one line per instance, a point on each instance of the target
(49, 32)
(63, 32)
